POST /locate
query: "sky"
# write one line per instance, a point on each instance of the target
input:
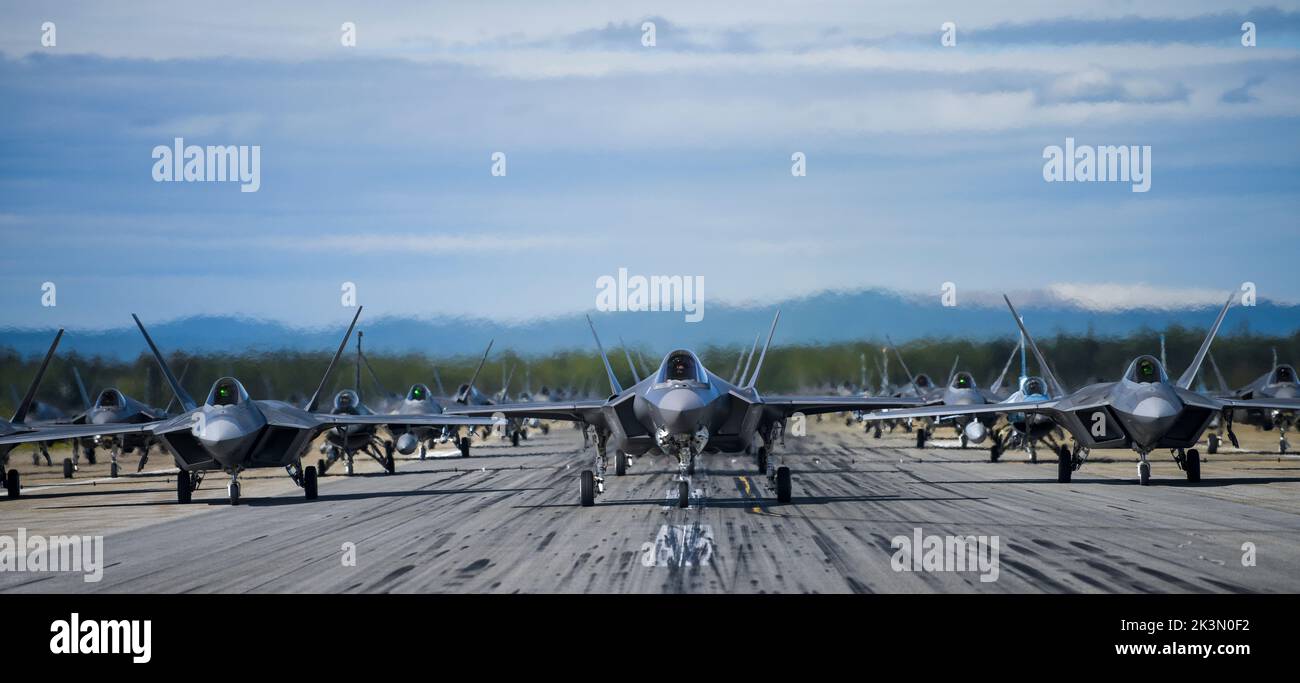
(924, 163)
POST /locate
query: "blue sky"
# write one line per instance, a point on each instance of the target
(924, 163)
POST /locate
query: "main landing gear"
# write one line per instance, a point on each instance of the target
(1190, 462)
(186, 484)
(592, 484)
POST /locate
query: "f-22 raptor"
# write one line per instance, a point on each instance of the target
(231, 432)
(683, 410)
(1144, 410)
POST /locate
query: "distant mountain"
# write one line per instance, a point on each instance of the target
(826, 317)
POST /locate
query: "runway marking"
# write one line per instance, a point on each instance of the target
(744, 481)
(679, 545)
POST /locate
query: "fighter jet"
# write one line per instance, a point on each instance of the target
(17, 430)
(1280, 382)
(961, 390)
(231, 432)
(112, 406)
(683, 410)
(1143, 411)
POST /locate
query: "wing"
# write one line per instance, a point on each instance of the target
(953, 411)
(572, 411)
(812, 405)
(1258, 403)
(60, 432)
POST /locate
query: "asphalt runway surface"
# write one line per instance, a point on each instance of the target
(507, 520)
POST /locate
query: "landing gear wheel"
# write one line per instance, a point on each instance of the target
(1281, 446)
(183, 491)
(762, 459)
(464, 446)
(90, 455)
(514, 438)
(112, 471)
(320, 467)
(620, 463)
(876, 434)
(1213, 445)
(1144, 473)
(36, 459)
(963, 440)
(424, 452)
(67, 468)
(920, 438)
(995, 452)
(12, 485)
(389, 465)
(1192, 465)
(587, 488)
(309, 483)
(546, 429)
(683, 494)
(233, 490)
(523, 434)
(1064, 465)
(690, 468)
(783, 484)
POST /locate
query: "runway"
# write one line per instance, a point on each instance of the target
(507, 520)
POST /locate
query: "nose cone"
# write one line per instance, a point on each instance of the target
(1288, 391)
(225, 439)
(103, 417)
(1151, 418)
(680, 411)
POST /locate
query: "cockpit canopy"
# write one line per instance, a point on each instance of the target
(1285, 374)
(227, 392)
(110, 398)
(1146, 370)
(1033, 386)
(923, 381)
(682, 366)
(963, 380)
(346, 401)
(418, 392)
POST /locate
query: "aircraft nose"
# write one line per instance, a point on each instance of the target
(1286, 392)
(680, 411)
(1151, 419)
(102, 417)
(224, 439)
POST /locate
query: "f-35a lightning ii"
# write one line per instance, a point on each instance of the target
(231, 432)
(683, 410)
(1143, 411)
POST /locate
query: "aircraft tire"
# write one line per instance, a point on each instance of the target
(920, 438)
(184, 493)
(464, 446)
(683, 494)
(389, 465)
(1064, 465)
(1213, 446)
(1192, 465)
(1144, 473)
(587, 489)
(67, 468)
(783, 484)
(309, 482)
(620, 463)
(762, 459)
(12, 484)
